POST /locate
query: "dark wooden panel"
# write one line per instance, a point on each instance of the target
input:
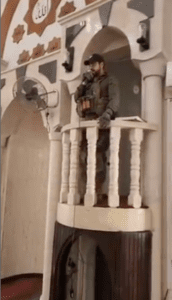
(123, 263)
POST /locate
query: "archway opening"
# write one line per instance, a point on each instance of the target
(114, 46)
(80, 270)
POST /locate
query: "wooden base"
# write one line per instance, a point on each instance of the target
(122, 263)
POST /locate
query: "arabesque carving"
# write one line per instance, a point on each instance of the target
(40, 27)
(54, 45)
(18, 34)
(24, 57)
(67, 9)
(38, 51)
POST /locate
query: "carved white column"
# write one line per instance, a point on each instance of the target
(113, 197)
(90, 196)
(72, 86)
(153, 72)
(65, 167)
(51, 214)
(73, 196)
(74, 115)
(136, 137)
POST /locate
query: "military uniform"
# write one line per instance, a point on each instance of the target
(104, 100)
(105, 96)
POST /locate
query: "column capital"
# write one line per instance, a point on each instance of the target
(155, 66)
(54, 136)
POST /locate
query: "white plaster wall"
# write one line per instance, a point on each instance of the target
(25, 199)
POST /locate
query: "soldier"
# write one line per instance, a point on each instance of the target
(97, 97)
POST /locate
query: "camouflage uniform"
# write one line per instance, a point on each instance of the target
(105, 100)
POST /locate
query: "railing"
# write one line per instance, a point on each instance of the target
(70, 165)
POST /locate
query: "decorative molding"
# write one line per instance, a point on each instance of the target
(24, 57)
(146, 7)
(49, 70)
(18, 34)
(81, 13)
(50, 19)
(54, 45)
(67, 9)
(87, 2)
(104, 219)
(38, 51)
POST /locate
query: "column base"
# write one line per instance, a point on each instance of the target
(135, 200)
(63, 197)
(90, 199)
(73, 199)
(113, 200)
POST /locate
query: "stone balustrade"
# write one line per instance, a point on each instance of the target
(71, 138)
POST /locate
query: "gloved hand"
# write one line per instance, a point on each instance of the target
(87, 77)
(104, 120)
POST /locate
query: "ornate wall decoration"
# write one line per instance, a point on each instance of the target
(67, 9)
(54, 45)
(89, 1)
(40, 14)
(38, 51)
(23, 57)
(18, 34)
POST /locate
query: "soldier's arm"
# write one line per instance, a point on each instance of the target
(113, 105)
(87, 78)
(80, 91)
